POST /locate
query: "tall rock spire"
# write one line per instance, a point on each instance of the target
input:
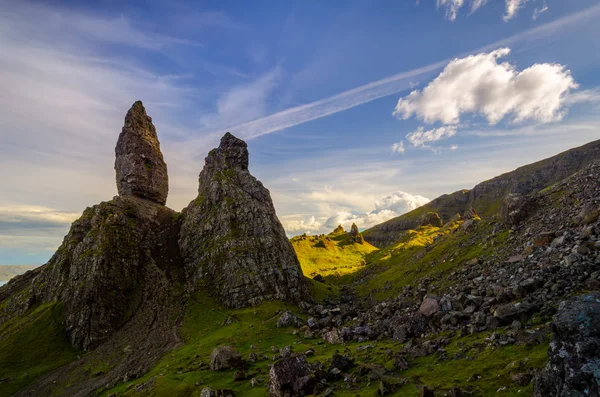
(139, 164)
(232, 243)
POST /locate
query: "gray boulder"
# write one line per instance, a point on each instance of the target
(574, 353)
(225, 357)
(291, 377)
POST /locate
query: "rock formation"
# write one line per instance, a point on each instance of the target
(338, 231)
(232, 243)
(574, 367)
(120, 255)
(431, 219)
(139, 165)
(355, 236)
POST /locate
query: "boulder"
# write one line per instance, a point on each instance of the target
(291, 377)
(333, 337)
(429, 307)
(288, 319)
(139, 165)
(516, 208)
(225, 357)
(343, 363)
(574, 354)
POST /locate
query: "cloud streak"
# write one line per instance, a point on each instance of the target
(384, 87)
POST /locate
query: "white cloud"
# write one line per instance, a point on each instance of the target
(386, 208)
(479, 84)
(476, 4)
(539, 11)
(398, 147)
(452, 7)
(293, 225)
(512, 6)
(400, 202)
(453, 147)
(420, 137)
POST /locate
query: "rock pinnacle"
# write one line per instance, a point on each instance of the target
(139, 164)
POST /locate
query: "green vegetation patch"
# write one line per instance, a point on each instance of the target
(331, 255)
(33, 345)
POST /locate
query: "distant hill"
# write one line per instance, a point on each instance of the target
(486, 197)
(337, 253)
(9, 271)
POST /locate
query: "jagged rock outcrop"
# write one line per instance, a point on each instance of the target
(232, 243)
(139, 165)
(574, 353)
(355, 236)
(338, 231)
(431, 219)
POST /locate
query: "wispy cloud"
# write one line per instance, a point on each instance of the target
(387, 86)
(539, 11)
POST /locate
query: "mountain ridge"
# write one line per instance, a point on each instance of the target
(486, 197)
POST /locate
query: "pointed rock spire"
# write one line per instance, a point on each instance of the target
(139, 164)
(231, 241)
(355, 235)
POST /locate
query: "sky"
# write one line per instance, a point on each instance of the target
(354, 111)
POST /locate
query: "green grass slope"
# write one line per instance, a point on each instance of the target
(330, 255)
(185, 372)
(32, 345)
(427, 252)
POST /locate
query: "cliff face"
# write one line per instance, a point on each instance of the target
(486, 197)
(232, 243)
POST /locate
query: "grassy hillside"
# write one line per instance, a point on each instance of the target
(185, 372)
(31, 346)
(330, 255)
(415, 257)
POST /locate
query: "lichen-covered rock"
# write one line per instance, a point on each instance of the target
(574, 353)
(234, 246)
(139, 165)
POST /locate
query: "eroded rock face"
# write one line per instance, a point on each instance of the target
(574, 367)
(116, 256)
(233, 245)
(139, 165)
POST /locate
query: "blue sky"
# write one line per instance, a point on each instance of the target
(354, 111)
